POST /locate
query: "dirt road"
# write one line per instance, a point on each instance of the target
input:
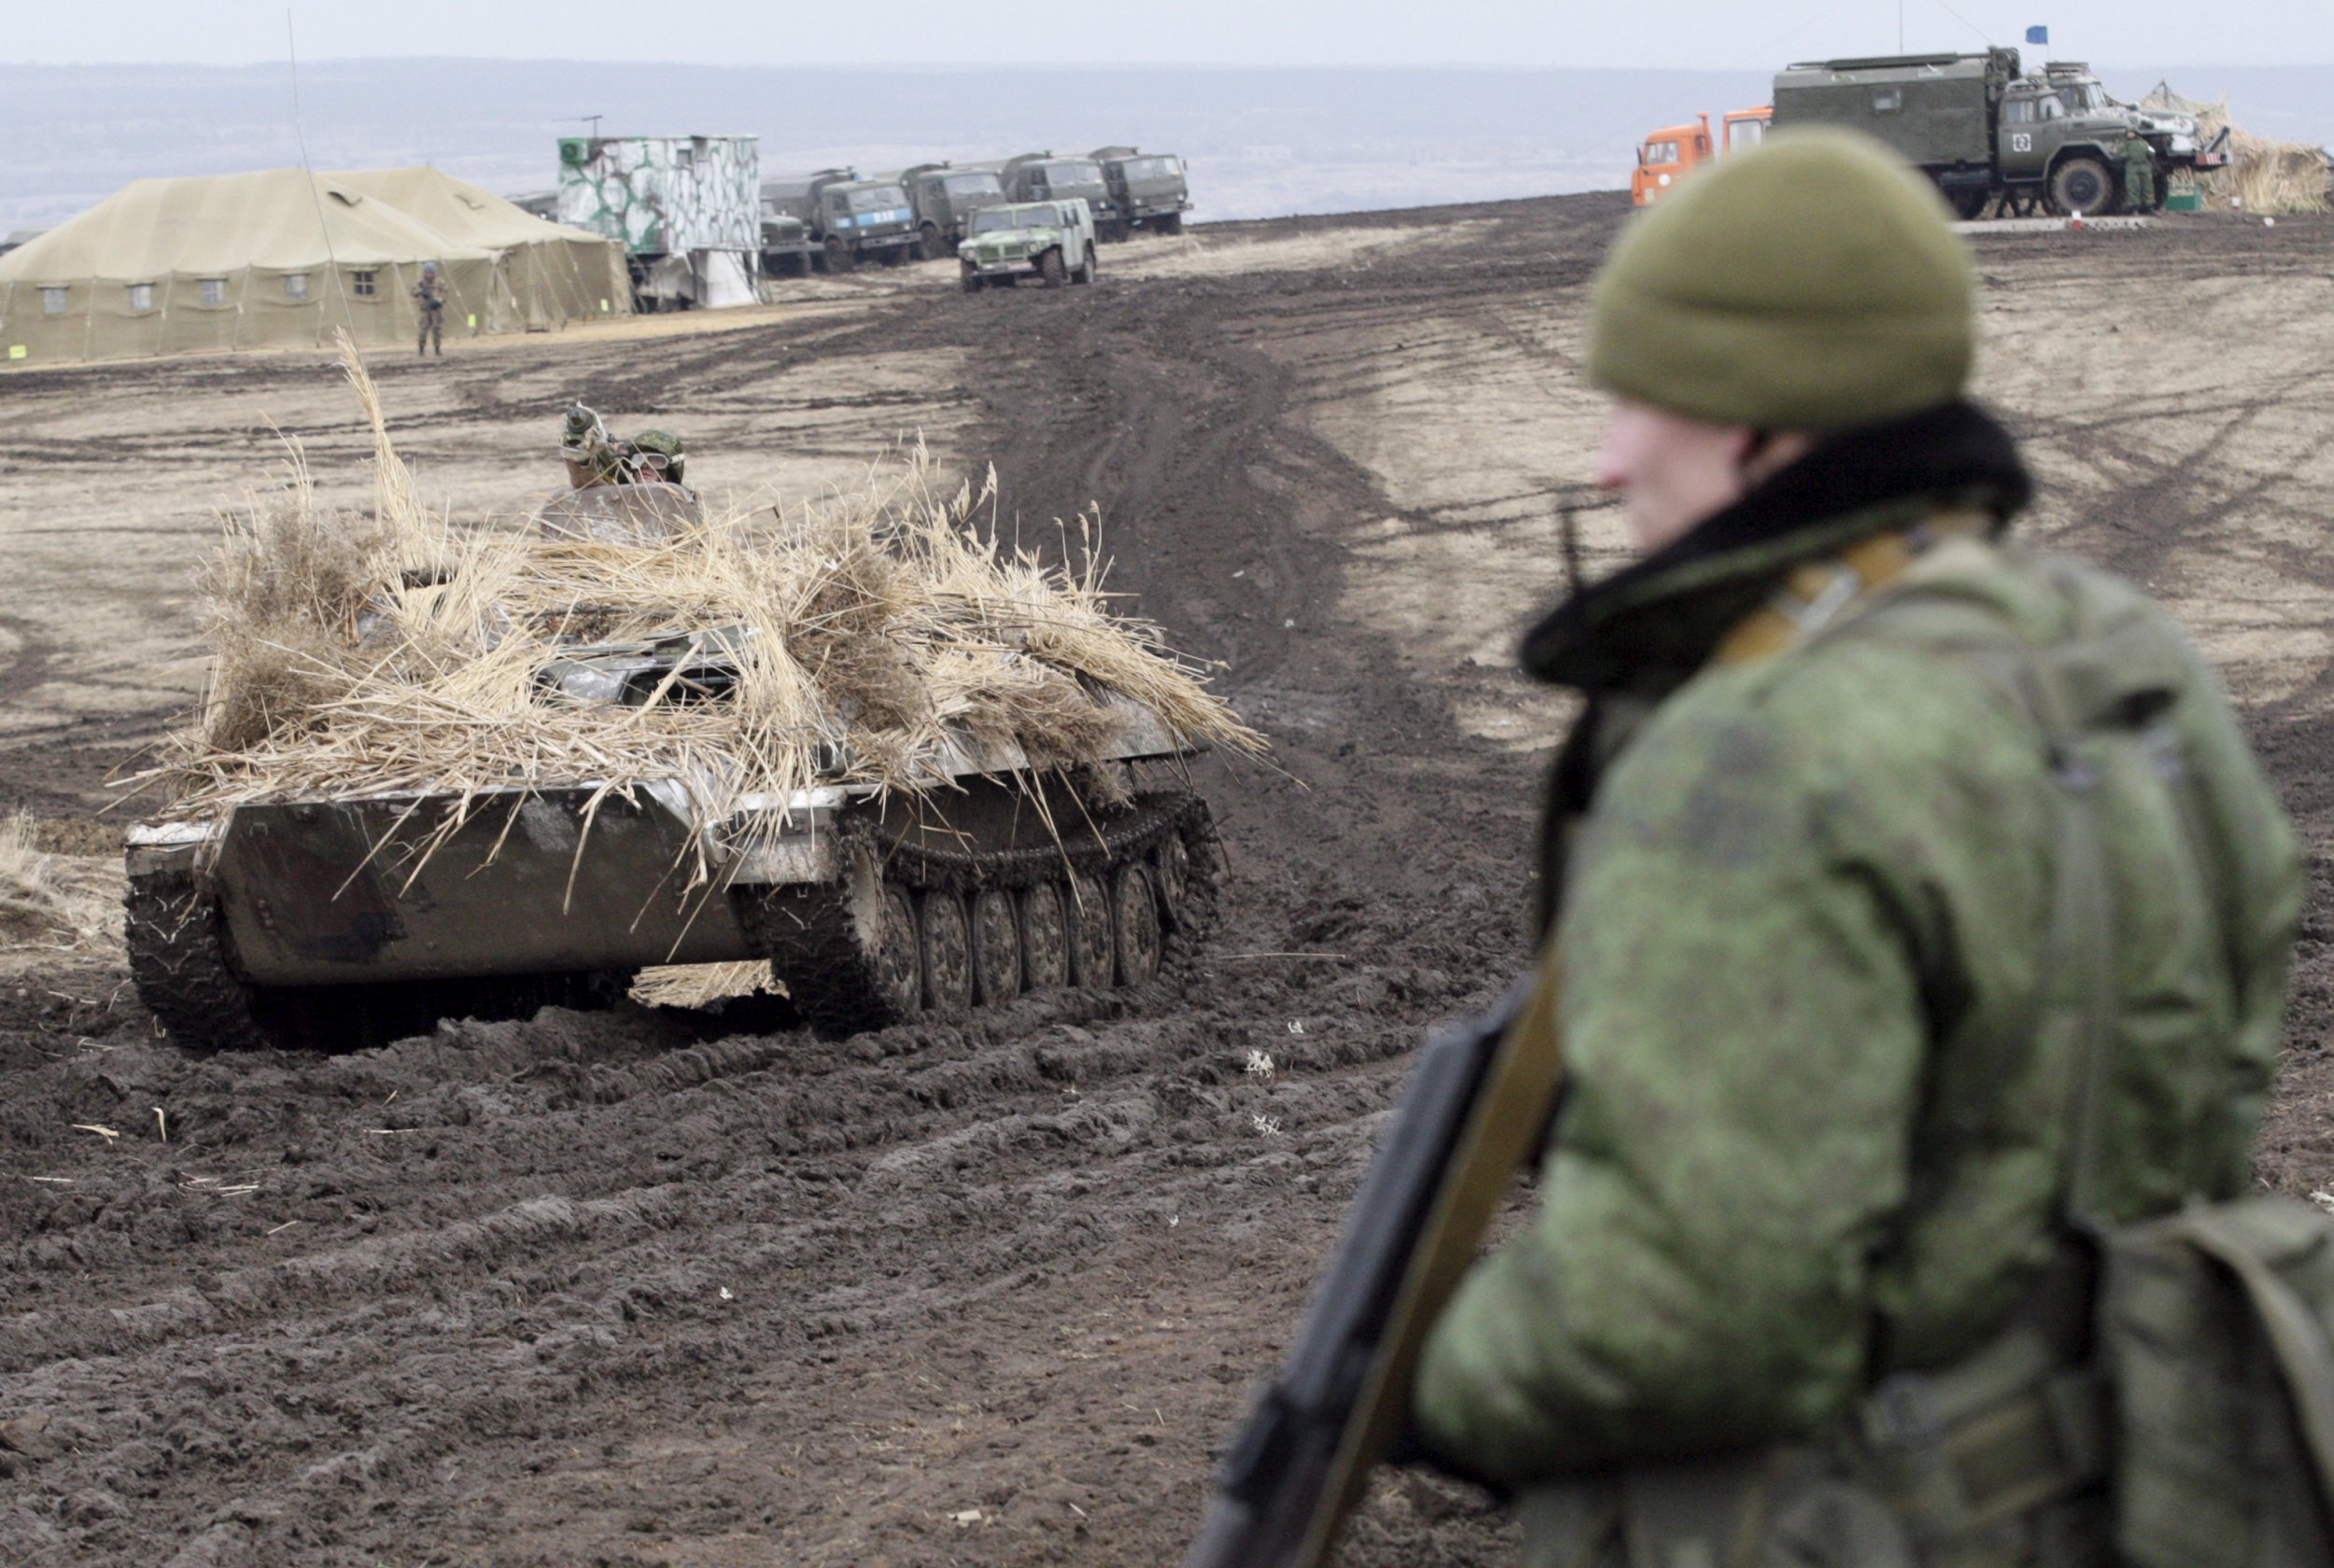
(671, 1289)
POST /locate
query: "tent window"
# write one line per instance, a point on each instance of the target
(360, 284)
(214, 291)
(295, 285)
(141, 296)
(53, 301)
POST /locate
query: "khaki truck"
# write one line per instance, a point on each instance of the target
(849, 217)
(1041, 176)
(1150, 188)
(1050, 240)
(1987, 131)
(945, 197)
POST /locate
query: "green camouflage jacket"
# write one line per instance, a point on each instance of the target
(1804, 906)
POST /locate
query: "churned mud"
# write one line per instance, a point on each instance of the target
(671, 1288)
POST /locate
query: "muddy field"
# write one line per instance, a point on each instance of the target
(651, 1288)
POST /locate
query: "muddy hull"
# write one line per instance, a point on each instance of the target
(868, 909)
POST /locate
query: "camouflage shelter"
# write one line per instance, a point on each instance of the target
(688, 210)
(277, 257)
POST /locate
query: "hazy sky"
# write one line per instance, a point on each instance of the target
(1706, 35)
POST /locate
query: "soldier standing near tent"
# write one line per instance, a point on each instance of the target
(2139, 172)
(429, 311)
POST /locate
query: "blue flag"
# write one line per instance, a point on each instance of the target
(2038, 34)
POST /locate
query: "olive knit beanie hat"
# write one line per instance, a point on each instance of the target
(1808, 284)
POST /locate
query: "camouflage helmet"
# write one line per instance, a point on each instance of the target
(657, 454)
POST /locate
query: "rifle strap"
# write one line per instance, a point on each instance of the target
(1502, 1131)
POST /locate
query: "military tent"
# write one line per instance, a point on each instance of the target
(548, 272)
(279, 256)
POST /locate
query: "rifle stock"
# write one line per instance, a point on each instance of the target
(1474, 1106)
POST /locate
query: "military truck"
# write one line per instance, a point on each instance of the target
(848, 217)
(787, 248)
(945, 198)
(1149, 189)
(1050, 240)
(344, 921)
(1040, 177)
(1982, 129)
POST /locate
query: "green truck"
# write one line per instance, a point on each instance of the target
(945, 198)
(1149, 188)
(1041, 176)
(1989, 132)
(847, 217)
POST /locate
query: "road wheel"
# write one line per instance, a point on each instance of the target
(1171, 864)
(1087, 908)
(929, 244)
(947, 951)
(1134, 923)
(2082, 185)
(997, 947)
(1045, 938)
(1050, 267)
(899, 968)
(838, 255)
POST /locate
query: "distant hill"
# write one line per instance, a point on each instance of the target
(1262, 142)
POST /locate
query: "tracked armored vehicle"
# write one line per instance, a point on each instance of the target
(341, 922)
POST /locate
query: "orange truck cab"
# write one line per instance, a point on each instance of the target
(1667, 156)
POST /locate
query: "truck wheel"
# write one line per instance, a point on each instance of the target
(2082, 185)
(1969, 205)
(1170, 225)
(929, 243)
(838, 255)
(1050, 267)
(897, 255)
(972, 281)
(1086, 269)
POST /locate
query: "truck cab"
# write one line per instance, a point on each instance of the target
(848, 217)
(1668, 155)
(1041, 176)
(1150, 189)
(945, 197)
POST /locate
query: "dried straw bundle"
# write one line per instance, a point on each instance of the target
(401, 654)
(2265, 176)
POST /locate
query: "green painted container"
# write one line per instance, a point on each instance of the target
(2184, 200)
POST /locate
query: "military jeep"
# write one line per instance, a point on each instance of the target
(1050, 240)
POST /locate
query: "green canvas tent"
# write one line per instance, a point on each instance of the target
(276, 258)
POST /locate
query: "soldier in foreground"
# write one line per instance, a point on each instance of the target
(2139, 172)
(429, 311)
(1852, 1028)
